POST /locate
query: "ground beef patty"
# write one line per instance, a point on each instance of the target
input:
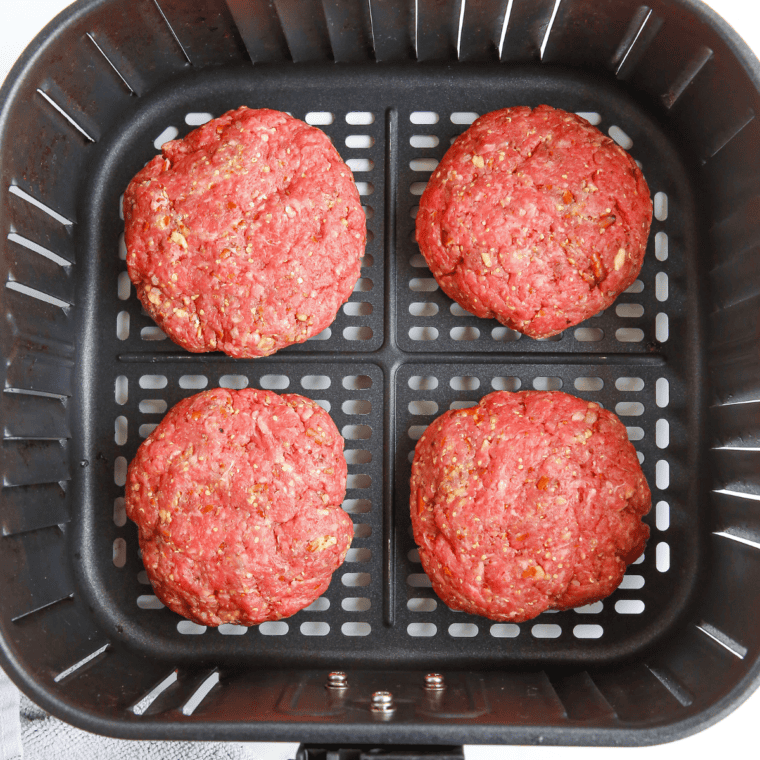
(245, 236)
(534, 217)
(528, 501)
(237, 496)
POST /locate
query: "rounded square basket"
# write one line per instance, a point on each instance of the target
(87, 375)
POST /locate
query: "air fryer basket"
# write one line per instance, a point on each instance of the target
(392, 82)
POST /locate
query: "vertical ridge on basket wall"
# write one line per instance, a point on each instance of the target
(305, 28)
(581, 697)
(29, 462)
(737, 469)
(624, 688)
(118, 67)
(393, 24)
(33, 327)
(698, 659)
(64, 97)
(736, 425)
(723, 607)
(735, 543)
(34, 369)
(734, 273)
(733, 322)
(738, 230)
(716, 127)
(34, 417)
(735, 282)
(635, 45)
(32, 507)
(589, 33)
(526, 30)
(206, 31)
(480, 33)
(29, 265)
(736, 324)
(672, 684)
(735, 513)
(35, 566)
(31, 223)
(260, 29)
(734, 372)
(350, 30)
(437, 29)
(730, 176)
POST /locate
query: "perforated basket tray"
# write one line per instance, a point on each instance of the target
(87, 373)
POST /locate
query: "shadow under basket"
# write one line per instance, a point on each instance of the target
(87, 374)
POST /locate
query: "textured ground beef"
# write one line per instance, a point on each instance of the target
(534, 217)
(246, 235)
(237, 497)
(527, 502)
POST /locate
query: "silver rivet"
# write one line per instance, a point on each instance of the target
(336, 680)
(434, 682)
(382, 702)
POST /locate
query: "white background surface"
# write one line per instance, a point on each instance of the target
(20, 20)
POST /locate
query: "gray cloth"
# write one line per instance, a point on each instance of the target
(27, 732)
(44, 737)
(10, 727)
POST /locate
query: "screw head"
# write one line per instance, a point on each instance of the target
(382, 702)
(337, 680)
(434, 682)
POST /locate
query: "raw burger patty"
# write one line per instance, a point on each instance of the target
(237, 496)
(534, 217)
(245, 236)
(528, 501)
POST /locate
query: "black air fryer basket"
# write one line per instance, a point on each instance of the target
(87, 373)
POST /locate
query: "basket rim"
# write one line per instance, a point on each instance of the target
(418, 732)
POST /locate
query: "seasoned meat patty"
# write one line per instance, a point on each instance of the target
(534, 217)
(246, 235)
(237, 497)
(527, 502)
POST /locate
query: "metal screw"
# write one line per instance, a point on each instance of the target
(434, 682)
(382, 702)
(336, 680)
